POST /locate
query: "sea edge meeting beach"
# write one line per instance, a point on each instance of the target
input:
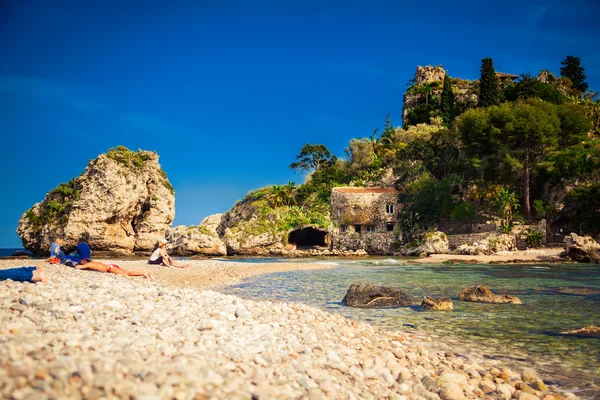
(104, 335)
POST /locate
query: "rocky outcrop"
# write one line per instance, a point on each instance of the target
(428, 87)
(372, 296)
(583, 249)
(481, 294)
(122, 203)
(431, 243)
(193, 240)
(436, 304)
(250, 228)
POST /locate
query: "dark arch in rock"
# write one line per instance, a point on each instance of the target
(308, 237)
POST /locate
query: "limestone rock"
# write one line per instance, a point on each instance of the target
(481, 294)
(582, 249)
(193, 240)
(503, 242)
(123, 203)
(436, 304)
(372, 296)
(478, 248)
(433, 243)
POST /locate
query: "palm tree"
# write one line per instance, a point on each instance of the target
(506, 201)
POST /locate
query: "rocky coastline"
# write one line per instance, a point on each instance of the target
(93, 335)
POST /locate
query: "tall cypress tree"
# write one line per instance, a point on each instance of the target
(488, 84)
(572, 69)
(447, 102)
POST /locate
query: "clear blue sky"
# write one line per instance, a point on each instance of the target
(228, 92)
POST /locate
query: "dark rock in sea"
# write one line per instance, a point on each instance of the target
(591, 330)
(481, 294)
(372, 296)
(577, 290)
(436, 304)
(21, 253)
(15, 257)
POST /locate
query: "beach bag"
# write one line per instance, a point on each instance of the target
(53, 260)
(71, 263)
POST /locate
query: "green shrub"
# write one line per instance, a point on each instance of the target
(463, 210)
(533, 237)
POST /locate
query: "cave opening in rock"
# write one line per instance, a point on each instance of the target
(307, 238)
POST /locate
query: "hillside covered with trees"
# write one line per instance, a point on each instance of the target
(502, 147)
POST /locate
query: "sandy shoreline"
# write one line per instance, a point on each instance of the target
(213, 273)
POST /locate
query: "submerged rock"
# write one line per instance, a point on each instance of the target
(372, 296)
(437, 304)
(583, 249)
(122, 203)
(481, 294)
(591, 330)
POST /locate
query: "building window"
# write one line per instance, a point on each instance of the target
(340, 211)
(343, 228)
(357, 228)
(389, 227)
(371, 228)
(389, 208)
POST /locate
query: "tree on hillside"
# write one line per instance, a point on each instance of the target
(515, 137)
(447, 102)
(489, 89)
(311, 157)
(572, 69)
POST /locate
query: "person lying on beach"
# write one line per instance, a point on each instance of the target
(159, 256)
(115, 269)
(24, 274)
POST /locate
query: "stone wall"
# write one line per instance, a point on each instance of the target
(371, 210)
(458, 240)
(519, 233)
(381, 243)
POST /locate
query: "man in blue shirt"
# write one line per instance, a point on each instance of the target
(85, 254)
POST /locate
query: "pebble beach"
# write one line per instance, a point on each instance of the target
(174, 336)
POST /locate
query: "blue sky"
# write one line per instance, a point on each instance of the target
(228, 92)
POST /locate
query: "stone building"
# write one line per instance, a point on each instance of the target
(365, 218)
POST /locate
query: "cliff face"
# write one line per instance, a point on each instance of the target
(123, 202)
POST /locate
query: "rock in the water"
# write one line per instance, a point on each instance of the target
(371, 296)
(432, 243)
(437, 304)
(192, 240)
(481, 294)
(582, 249)
(591, 330)
(123, 203)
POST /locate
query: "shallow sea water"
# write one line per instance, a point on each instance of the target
(556, 298)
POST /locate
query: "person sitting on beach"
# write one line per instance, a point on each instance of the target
(115, 269)
(55, 250)
(81, 255)
(159, 256)
(24, 274)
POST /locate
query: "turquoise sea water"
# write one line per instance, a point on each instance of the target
(556, 298)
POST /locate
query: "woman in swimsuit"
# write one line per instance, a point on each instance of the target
(160, 256)
(113, 268)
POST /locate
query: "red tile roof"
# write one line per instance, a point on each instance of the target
(364, 190)
(503, 75)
